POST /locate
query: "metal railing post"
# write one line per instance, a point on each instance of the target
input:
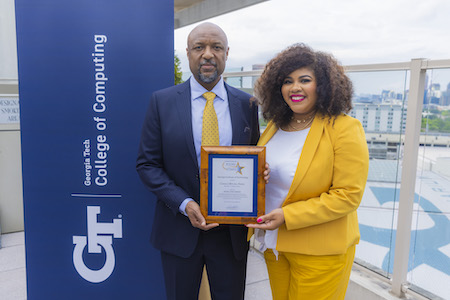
(409, 171)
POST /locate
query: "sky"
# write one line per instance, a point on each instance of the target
(354, 31)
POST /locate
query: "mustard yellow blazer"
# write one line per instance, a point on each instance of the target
(328, 185)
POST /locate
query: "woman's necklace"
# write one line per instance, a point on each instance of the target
(305, 123)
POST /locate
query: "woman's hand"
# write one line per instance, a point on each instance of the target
(267, 173)
(271, 221)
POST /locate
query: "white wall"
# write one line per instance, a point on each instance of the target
(11, 201)
(8, 49)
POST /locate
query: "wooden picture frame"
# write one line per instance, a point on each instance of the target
(232, 186)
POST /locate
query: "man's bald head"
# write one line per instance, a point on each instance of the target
(205, 29)
(207, 51)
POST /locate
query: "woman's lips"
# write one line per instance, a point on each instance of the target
(297, 98)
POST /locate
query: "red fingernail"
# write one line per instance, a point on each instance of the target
(259, 220)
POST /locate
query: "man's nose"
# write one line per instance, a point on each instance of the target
(207, 54)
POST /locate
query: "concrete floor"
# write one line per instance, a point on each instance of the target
(12, 267)
(13, 278)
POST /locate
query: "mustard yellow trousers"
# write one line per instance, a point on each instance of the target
(308, 277)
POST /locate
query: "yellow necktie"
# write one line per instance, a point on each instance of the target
(210, 127)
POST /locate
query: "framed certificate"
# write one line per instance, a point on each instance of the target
(232, 186)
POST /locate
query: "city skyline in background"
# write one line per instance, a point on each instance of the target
(355, 32)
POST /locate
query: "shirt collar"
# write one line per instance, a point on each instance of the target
(197, 90)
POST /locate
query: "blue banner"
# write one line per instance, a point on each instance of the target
(86, 73)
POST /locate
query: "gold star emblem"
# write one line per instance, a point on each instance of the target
(239, 169)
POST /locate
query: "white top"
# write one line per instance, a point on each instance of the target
(282, 153)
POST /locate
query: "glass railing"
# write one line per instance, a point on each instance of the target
(429, 262)
(404, 215)
(379, 102)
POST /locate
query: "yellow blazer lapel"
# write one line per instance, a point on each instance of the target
(308, 152)
(268, 133)
(309, 149)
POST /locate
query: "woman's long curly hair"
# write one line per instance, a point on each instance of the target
(334, 88)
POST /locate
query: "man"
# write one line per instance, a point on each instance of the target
(168, 163)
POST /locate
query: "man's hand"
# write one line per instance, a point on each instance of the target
(271, 221)
(196, 217)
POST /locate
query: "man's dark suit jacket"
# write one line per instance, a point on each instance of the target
(167, 164)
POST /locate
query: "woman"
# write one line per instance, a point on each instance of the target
(319, 163)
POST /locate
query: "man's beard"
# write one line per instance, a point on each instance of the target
(208, 78)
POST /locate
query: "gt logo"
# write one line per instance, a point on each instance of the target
(100, 235)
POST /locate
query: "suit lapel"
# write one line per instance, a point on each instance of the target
(183, 105)
(235, 115)
(308, 152)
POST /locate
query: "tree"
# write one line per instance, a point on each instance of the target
(436, 125)
(177, 69)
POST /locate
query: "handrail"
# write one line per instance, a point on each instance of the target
(436, 64)
(400, 66)
(243, 73)
(396, 66)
